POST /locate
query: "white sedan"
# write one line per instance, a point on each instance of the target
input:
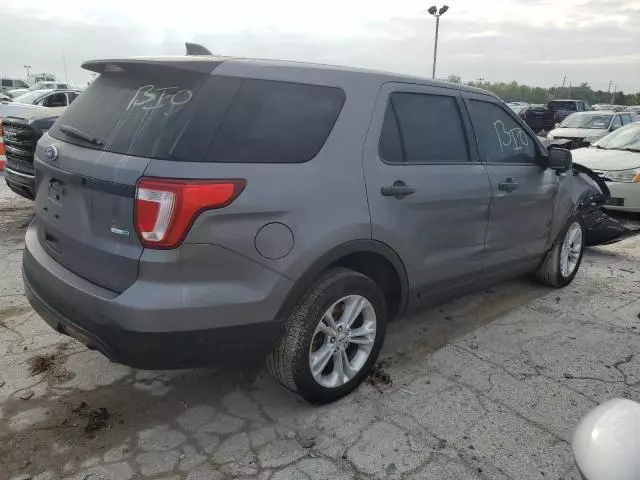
(616, 158)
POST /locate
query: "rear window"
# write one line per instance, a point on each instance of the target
(563, 106)
(182, 116)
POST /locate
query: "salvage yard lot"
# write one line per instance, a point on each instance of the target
(488, 386)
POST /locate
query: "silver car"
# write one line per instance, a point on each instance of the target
(223, 210)
(585, 128)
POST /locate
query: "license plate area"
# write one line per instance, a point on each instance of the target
(56, 190)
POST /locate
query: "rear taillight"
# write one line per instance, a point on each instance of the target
(166, 208)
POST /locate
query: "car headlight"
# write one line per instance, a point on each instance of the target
(550, 137)
(591, 139)
(625, 176)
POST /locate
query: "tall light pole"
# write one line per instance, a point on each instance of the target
(436, 13)
(28, 69)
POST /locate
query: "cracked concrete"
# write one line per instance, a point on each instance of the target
(489, 386)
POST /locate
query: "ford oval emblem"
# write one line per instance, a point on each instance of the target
(51, 152)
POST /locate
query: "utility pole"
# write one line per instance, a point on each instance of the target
(609, 89)
(564, 80)
(569, 94)
(437, 14)
(64, 62)
(613, 94)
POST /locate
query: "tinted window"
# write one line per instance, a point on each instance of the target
(55, 100)
(72, 96)
(626, 119)
(7, 83)
(421, 128)
(616, 121)
(560, 105)
(172, 114)
(500, 137)
(276, 122)
(21, 84)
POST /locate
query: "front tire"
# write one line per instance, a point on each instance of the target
(562, 262)
(332, 337)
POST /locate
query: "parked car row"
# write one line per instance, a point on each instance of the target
(616, 108)
(41, 86)
(543, 118)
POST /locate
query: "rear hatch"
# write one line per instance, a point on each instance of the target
(88, 164)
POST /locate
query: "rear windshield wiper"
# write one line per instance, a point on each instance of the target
(74, 132)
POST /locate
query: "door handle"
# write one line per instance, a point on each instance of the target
(399, 189)
(508, 185)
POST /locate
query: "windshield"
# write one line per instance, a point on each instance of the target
(29, 97)
(627, 137)
(581, 120)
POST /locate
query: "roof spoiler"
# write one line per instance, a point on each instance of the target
(196, 49)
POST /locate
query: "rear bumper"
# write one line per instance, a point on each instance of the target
(136, 329)
(23, 185)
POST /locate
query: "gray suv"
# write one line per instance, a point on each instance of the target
(195, 210)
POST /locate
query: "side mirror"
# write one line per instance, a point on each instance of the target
(560, 159)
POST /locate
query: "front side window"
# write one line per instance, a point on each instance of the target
(500, 137)
(422, 128)
(55, 100)
(21, 84)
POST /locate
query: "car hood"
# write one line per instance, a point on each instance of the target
(607, 160)
(12, 108)
(578, 132)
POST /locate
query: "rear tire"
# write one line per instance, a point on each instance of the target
(562, 262)
(320, 332)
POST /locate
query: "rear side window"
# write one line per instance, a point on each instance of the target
(6, 83)
(276, 122)
(500, 137)
(171, 114)
(422, 128)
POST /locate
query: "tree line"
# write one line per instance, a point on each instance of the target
(516, 92)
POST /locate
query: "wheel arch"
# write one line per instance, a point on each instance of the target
(353, 254)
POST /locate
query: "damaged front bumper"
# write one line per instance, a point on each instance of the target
(601, 229)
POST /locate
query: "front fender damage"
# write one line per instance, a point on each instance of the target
(590, 193)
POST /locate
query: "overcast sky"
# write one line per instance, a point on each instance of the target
(536, 42)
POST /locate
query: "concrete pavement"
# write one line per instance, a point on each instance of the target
(485, 387)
